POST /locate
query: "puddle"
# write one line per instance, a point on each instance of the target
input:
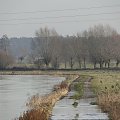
(84, 110)
(64, 109)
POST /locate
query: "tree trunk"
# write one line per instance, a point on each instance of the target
(79, 64)
(105, 64)
(71, 63)
(94, 65)
(56, 62)
(117, 63)
(84, 63)
(101, 65)
(109, 64)
(65, 65)
(47, 65)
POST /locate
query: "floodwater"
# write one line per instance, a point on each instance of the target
(16, 89)
(78, 110)
(84, 111)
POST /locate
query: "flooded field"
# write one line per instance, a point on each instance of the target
(82, 109)
(16, 89)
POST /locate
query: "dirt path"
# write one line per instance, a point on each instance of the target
(84, 110)
(88, 93)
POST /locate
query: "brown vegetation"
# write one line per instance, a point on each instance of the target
(34, 114)
(41, 107)
(107, 87)
(110, 103)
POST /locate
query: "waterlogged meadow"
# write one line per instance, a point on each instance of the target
(107, 87)
(93, 91)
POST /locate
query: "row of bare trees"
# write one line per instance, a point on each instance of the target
(5, 57)
(99, 45)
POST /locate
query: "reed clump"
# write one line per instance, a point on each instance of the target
(40, 107)
(34, 114)
(110, 103)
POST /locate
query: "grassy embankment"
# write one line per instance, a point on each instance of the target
(106, 85)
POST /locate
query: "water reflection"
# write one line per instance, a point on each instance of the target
(15, 90)
(81, 109)
(76, 116)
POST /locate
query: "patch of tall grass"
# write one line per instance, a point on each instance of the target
(107, 88)
(78, 87)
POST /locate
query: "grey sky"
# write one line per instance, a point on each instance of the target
(12, 6)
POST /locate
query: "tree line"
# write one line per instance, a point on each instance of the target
(5, 56)
(99, 45)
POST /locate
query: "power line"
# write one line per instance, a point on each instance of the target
(63, 21)
(61, 10)
(54, 17)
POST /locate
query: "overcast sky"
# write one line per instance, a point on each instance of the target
(27, 23)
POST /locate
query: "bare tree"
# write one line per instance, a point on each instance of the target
(83, 47)
(4, 43)
(64, 51)
(116, 49)
(99, 45)
(45, 39)
(70, 50)
(100, 48)
(77, 50)
(5, 56)
(56, 52)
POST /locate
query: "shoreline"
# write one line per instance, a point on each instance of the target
(41, 107)
(47, 107)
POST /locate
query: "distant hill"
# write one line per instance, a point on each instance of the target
(20, 46)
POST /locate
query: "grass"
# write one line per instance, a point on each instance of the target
(79, 87)
(106, 82)
(107, 88)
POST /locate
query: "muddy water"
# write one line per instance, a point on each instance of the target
(64, 109)
(15, 90)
